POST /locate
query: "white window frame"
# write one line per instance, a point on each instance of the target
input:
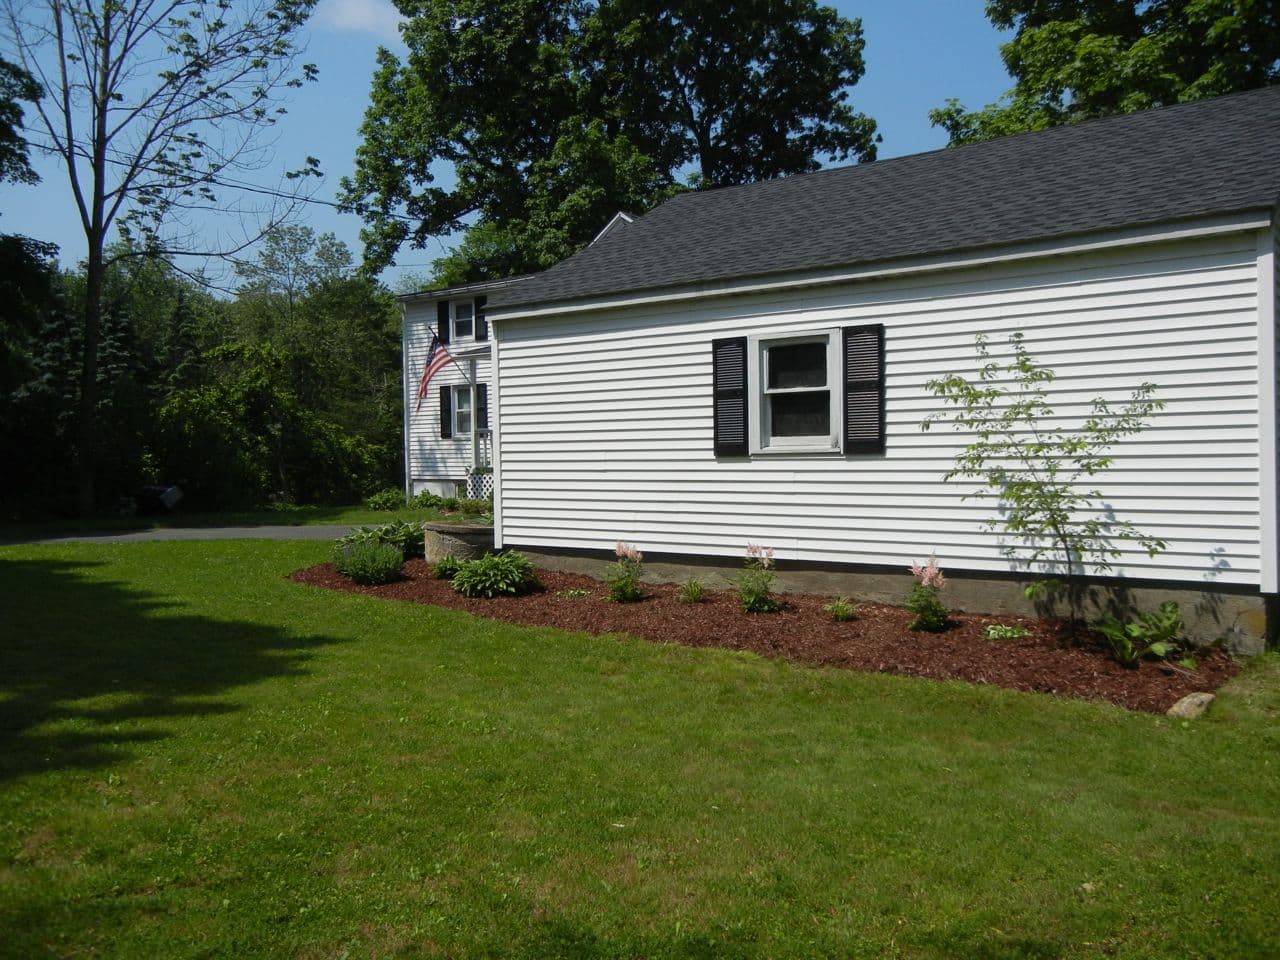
(455, 334)
(760, 440)
(457, 392)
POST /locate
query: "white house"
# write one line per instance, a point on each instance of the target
(749, 364)
(447, 440)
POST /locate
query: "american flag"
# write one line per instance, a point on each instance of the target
(437, 358)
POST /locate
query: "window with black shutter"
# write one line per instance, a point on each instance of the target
(482, 406)
(482, 325)
(729, 389)
(864, 389)
(805, 392)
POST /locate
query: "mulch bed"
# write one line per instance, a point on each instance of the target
(878, 640)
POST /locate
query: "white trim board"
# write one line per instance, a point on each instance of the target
(1268, 240)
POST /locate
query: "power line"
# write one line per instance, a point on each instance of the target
(233, 184)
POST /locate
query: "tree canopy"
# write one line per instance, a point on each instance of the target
(1076, 59)
(529, 124)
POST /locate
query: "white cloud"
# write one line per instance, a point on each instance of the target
(377, 17)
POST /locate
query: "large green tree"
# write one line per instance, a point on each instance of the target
(1076, 59)
(152, 106)
(337, 333)
(530, 123)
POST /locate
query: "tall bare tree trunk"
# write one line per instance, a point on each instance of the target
(87, 445)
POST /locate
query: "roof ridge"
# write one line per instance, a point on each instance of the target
(1060, 129)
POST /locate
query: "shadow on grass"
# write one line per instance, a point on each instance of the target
(83, 661)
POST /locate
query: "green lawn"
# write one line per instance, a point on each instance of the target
(263, 516)
(201, 759)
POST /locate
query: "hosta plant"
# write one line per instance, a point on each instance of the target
(495, 574)
(1151, 635)
(446, 567)
(404, 535)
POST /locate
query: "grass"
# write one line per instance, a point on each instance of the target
(201, 759)
(289, 515)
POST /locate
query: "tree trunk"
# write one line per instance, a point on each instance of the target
(86, 447)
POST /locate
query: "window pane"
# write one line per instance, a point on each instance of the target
(797, 365)
(461, 410)
(800, 414)
(462, 325)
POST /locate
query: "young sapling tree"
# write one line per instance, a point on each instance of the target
(1041, 472)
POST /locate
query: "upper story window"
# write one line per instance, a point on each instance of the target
(463, 320)
(460, 320)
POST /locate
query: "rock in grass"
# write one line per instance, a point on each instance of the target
(1191, 706)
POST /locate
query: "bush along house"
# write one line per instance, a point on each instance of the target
(447, 439)
(751, 364)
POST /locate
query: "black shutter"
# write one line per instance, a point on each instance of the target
(729, 396)
(446, 412)
(482, 406)
(442, 321)
(482, 325)
(864, 389)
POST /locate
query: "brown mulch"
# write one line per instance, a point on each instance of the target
(878, 640)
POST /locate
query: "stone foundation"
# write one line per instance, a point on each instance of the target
(459, 540)
(1243, 621)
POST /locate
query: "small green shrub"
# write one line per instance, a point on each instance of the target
(404, 535)
(446, 567)
(841, 609)
(691, 591)
(449, 503)
(1001, 631)
(623, 577)
(426, 501)
(928, 612)
(385, 500)
(368, 563)
(475, 507)
(496, 573)
(1152, 634)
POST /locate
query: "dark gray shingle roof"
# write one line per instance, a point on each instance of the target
(1197, 159)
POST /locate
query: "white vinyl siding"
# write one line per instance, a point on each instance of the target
(430, 456)
(607, 434)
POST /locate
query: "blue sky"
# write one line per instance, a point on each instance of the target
(918, 54)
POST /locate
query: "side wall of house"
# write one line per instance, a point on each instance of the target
(434, 463)
(606, 417)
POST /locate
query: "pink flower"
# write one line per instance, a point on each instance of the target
(929, 575)
(761, 555)
(626, 551)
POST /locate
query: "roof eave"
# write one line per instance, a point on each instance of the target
(1250, 218)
